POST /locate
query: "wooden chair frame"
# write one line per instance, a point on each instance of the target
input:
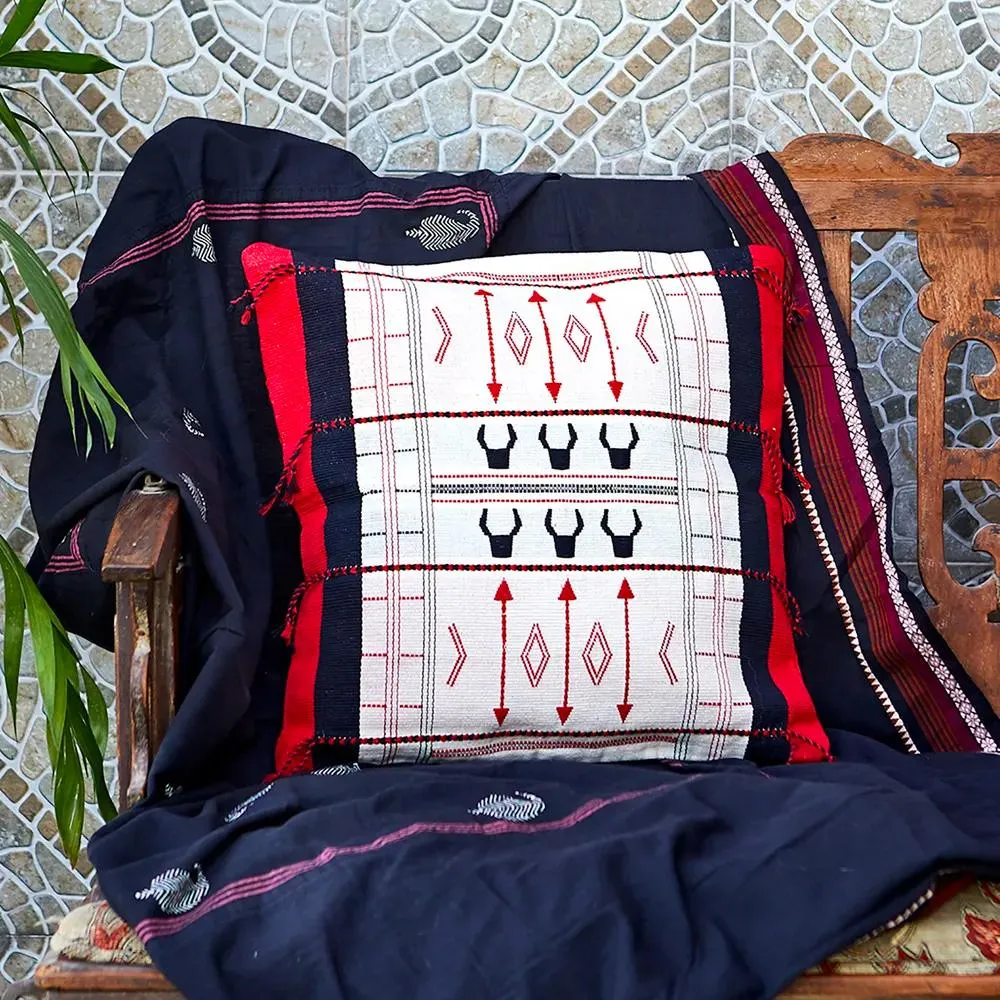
(847, 184)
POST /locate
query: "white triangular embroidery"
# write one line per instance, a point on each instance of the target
(192, 424)
(442, 232)
(238, 811)
(196, 495)
(521, 807)
(177, 891)
(202, 246)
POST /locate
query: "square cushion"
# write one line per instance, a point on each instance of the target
(540, 505)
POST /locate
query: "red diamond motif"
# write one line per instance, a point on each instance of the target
(578, 337)
(597, 643)
(535, 656)
(518, 338)
(664, 658)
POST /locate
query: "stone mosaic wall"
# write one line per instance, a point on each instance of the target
(650, 87)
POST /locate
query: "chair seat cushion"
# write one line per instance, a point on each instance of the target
(959, 937)
(93, 932)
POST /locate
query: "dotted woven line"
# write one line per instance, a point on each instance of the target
(298, 759)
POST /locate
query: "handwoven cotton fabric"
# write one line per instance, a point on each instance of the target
(541, 507)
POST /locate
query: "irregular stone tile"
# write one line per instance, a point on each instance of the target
(98, 18)
(652, 10)
(449, 106)
(14, 832)
(606, 14)
(241, 26)
(225, 106)
(539, 87)
(197, 80)
(22, 864)
(175, 108)
(143, 90)
(402, 121)
(622, 132)
(910, 99)
(379, 59)
(279, 31)
(502, 150)
(775, 68)
(940, 49)
(576, 41)
(443, 19)
(967, 87)
(833, 37)
(58, 874)
(462, 153)
(916, 11)
(942, 120)
(986, 118)
(172, 41)
(866, 22)
(379, 15)
(529, 31)
(412, 42)
(588, 76)
(130, 44)
(626, 40)
(495, 72)
(420, 155)
(18, 388)
(671, 74)
(500, 111)
(312, 58)
(830, 116)
(72, 218)
(868, 73)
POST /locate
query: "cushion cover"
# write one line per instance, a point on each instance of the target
(541, 508)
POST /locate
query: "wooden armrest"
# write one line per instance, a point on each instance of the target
(141, 559)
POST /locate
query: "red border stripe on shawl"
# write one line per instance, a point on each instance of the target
(838, 474)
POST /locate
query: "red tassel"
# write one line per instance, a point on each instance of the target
(247, 316)
(787, 510)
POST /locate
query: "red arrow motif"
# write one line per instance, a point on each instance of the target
(493, 385)
(616, 386)
(625, 594)
(503, 595)
(552, 385)
(563, 711)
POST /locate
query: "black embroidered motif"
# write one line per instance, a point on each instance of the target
(565, 544)
(501, 546)
(558, 457)
(442, 232)
(621, 458)
(497, 458)
(622, 544)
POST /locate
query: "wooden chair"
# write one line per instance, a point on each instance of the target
(847, 184)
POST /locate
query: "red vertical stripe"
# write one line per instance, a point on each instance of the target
(783, 663)
(283, 352)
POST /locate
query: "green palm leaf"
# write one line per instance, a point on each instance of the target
(76, 715)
